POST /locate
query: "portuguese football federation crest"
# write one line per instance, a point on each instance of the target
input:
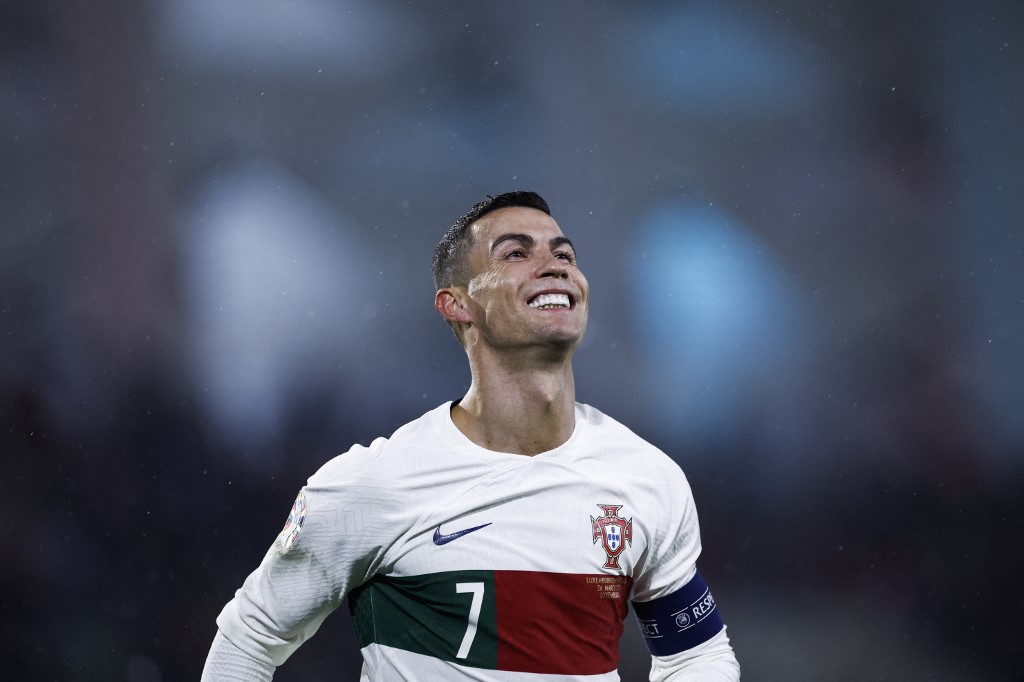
(613, 531)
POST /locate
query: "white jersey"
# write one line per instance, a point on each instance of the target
(460, 563)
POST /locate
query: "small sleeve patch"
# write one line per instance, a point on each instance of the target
(679, 621)
(292, 527)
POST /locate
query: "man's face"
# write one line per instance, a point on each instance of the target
(525, 288)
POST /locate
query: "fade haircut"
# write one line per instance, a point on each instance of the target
(451, 255)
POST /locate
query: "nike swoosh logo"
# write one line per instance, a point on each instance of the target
(442, 539)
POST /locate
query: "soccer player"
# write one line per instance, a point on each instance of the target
(498, 537)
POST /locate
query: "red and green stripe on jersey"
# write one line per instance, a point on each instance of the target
(525, 621)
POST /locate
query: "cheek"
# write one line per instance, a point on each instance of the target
(483, 283)
(584, 286)
(490, 291)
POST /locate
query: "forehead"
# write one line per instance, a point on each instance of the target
(514, 219)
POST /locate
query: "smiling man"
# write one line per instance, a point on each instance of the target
(499, 537)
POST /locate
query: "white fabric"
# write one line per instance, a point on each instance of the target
(228, 663)
(373, 511)
(388, 663)
(712, 661)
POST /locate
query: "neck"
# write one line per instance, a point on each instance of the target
(518, 406)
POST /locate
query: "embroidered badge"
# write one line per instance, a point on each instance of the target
(290, 533)
(613, 531)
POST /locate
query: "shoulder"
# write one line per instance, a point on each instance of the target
(383, 455)
(611, 435)
(639, 471)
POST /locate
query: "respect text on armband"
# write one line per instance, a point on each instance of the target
(679, 621)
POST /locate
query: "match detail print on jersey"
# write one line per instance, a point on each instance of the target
(524, 621)
(681, 620)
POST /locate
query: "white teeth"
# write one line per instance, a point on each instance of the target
(550, 301)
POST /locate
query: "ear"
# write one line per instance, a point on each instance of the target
(453, 305)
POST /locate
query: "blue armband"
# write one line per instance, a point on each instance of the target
(679, 621)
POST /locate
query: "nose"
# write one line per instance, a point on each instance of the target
(554, 267)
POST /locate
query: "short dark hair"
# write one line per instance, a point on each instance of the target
(451, 266)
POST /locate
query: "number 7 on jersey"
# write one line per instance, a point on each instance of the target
(474, 615)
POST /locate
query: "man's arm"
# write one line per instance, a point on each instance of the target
(686, 636)
(712, 661)
(327, 547)
(283, 602)
(227, 663)
(678, 617)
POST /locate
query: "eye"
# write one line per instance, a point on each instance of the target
(566, 256)
(516, 253)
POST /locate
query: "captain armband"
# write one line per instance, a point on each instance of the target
(679, 621)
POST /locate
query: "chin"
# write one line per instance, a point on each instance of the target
(565, 340)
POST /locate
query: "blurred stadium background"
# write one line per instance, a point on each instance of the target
(802, 224)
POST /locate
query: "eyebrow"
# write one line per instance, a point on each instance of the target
(527, 240)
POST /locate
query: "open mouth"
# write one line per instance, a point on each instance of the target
(550, 301)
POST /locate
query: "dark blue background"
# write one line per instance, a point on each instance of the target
(801, 221)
